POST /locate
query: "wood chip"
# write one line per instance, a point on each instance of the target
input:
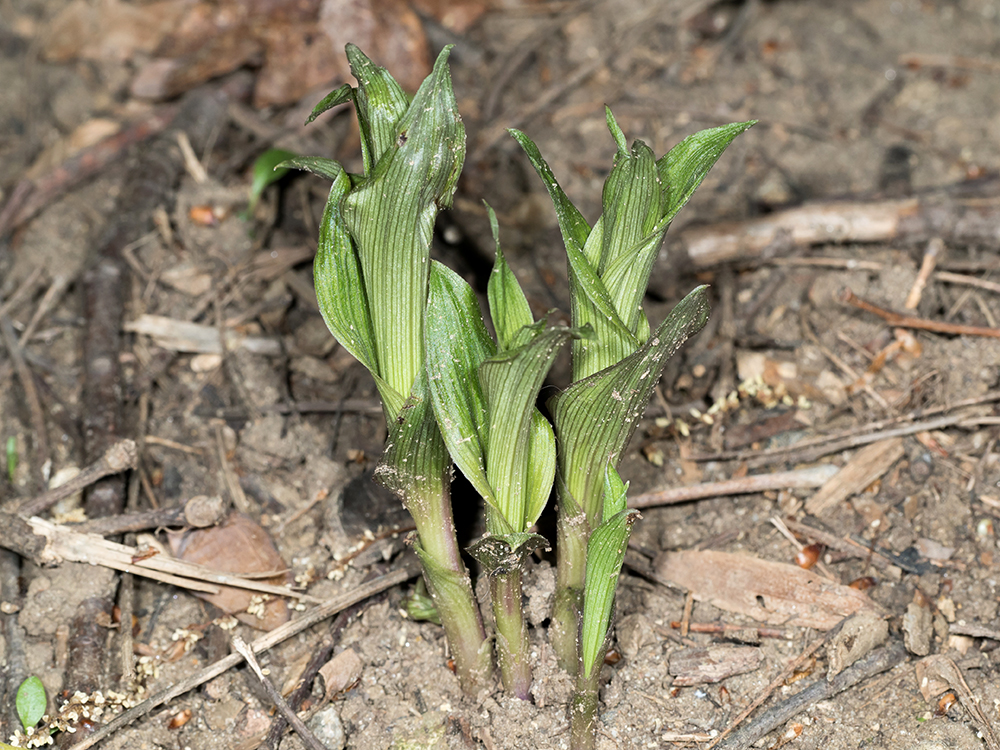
(859, 636)
(183, 336)
(867, 465)
(698, 666)
(772, 592)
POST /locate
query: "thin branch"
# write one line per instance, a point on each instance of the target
(814, 476)
(119, 457)
(908, 321)
(307, 737)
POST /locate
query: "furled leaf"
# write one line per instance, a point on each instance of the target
(684, 167)
(509, 307)
(266, 171)
(595, 417)
(327, 168)
(456, 343)
(380, 103)
(631, 200)
(605, 555)
(391, 216)
(336, 97)
(420, 606)
(627, 278)
(341, 293)
(590, 304)
(541, 468)
(31, 702)
(511, 381)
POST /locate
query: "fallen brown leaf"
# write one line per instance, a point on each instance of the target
(239, 545)
(772, 592)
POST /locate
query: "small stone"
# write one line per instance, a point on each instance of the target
(917, 629)
(329, 730)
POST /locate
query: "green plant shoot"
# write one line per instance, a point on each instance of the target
(616, 369)
(484, 397)
(605, 555)
(31, 702)
(372, 271)
(267, 169)
(11, 457)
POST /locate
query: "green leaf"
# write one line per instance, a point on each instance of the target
(31, 702)
(391, 216)
(595, 417)
(511, 381)
(415, 462)
(500, 554)
(336, 97)
(616, 131)
(327, 168)
(340, 292)
(380, 103)
(573, 226)
(509, 308)
(631, 200)
(627, 278)
(456, 343)
(541, 468)
(266, 170)
(590, 304)
(420, 606)
(605, 555)
(11, 457)
(684, 167)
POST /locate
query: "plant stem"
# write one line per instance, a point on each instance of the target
(449, 586)
(571, 572)
(512, 633)
(583, 714)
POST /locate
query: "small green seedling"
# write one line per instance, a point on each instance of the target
(31, 702)
(266, 171)
(11, 457)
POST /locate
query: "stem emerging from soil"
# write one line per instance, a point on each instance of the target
(512, 633)
(571, 572)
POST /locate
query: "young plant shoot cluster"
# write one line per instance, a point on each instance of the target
(453, 394)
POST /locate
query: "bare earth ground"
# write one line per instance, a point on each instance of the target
(865, 98)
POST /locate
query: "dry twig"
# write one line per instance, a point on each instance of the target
(120, 457)
(243, 649)
(814, 476)
(908, 321)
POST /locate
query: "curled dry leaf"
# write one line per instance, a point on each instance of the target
(239, 546)
(772, 592)
(341, 672)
